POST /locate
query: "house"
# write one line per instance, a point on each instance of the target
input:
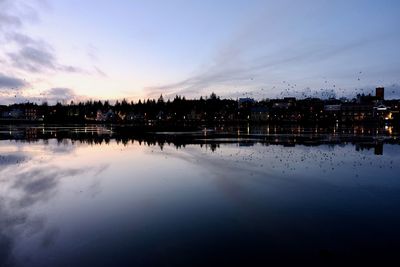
(31, 113)
(100, 116)
(121, 116)
(107, 116)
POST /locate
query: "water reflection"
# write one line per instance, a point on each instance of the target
(30, 176)
(85, 197)
(363, 137)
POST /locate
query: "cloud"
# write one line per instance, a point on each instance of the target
(10, 160)
(35, 55)
(24, 186)
(51, 96)
(14, 14)
(49, 237)
(236, 70)
(55, 95)
(20, 38)
(6, 245)
(39, 184)
(269, 48)
(8, 82)
(60, 92)
(100, 72)
(33, 59)
(6, 19)
(29, 54)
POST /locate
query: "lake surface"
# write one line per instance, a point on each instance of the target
(90, 196)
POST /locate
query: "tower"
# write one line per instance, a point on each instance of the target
(380, 93)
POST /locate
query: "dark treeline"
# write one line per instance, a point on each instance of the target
(363, 108)
(179, 109)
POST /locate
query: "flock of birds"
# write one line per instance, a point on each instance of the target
(328, 90)
(285, 89)
(301, 160)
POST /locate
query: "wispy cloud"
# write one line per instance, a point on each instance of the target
(9, 82)
(54, 95)
(51, 96)
(35, 55)
(236, 70)
(7, 19)
(268, 48)
(24, 55)
(100, 72)
(33, 59)
(14, 14)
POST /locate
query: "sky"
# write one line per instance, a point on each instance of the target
(63, 50)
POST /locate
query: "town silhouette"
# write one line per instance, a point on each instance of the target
(289, 110)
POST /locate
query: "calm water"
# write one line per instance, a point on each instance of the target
(201, 200)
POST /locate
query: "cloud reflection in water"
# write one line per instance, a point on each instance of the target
(31, 175)
(69, 201)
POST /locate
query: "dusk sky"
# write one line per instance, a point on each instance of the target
(58, 50)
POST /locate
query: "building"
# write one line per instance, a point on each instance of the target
(332, 108)
(352, 112)
(31, 113)
(383, 113)
(105, 116)
(380, 93)
(245, 102)
(14, 113)
(332, 112)
(259, 114)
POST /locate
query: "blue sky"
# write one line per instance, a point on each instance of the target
(69, 49)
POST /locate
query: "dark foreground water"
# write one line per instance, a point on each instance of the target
(96, 198)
